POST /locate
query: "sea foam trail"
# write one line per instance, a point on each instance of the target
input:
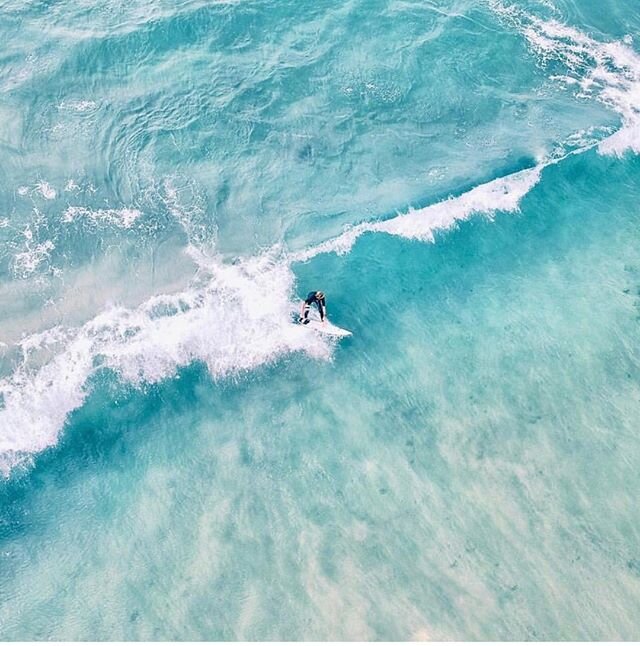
(608, 72)
(234, 319)
(501, 194)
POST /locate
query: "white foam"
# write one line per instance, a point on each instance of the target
(26, 262)
(46, 190)
(78, 105)
(36, 406)
(501, 194)
(236, 318)
(122, 218)
(606, 71)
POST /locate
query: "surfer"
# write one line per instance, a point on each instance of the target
(318, 299)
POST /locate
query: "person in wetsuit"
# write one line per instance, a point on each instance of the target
(318, 299)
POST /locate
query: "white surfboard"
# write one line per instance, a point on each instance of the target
(325, 328)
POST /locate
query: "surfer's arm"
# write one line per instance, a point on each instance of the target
(322, 306)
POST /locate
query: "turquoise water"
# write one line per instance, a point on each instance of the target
(179, 460)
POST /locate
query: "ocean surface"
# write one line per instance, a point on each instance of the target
(179, 459)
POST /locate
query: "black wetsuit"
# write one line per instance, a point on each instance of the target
(320, 303)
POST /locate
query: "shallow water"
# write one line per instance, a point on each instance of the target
(181, 461)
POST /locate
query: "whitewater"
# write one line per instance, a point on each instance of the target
(471, 218)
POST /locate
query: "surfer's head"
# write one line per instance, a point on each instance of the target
(320, 295)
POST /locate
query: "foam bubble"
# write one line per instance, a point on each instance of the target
(26, 262)
(46, 190)
(77, 106)
(122, 218)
